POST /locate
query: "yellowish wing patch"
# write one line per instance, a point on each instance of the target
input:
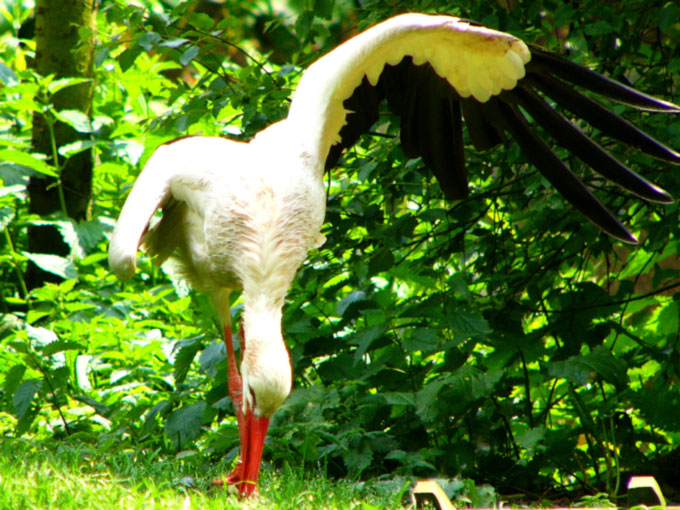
(475, 60)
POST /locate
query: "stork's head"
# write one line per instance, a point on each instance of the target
(266, 370)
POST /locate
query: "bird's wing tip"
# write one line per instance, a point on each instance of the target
(625, 237)
(662, 196)
(663, 106)
(123, 265)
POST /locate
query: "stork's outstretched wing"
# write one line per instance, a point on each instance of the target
(436, 71)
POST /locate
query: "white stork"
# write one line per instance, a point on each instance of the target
(244, 215)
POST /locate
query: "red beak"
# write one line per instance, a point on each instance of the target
(251, 452)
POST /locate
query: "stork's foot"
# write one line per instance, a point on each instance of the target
(236, 482)
(253, 431)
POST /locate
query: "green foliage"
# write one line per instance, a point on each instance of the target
(498, 337)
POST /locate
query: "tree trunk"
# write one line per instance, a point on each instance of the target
(64, 37)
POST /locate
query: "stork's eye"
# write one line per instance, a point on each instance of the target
(252, 396)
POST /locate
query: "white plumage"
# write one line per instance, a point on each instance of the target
(245, 215)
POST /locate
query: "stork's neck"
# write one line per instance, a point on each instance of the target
(289, 148)
(265, 369)
(263, 312)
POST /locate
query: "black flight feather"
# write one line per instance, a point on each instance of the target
(482, 134)
(600, 117)
(573, 139)
(552, 64)
(432, 114)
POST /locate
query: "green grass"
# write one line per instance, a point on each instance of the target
(66, 476)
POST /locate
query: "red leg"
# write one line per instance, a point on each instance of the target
(235, 385)
(234, 378)
(252, 429)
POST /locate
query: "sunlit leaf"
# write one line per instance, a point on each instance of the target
(71, 149)
(76, 119)
(60, 346)
(62, 83)
(7, 76)
(60, 266)
(28, 160)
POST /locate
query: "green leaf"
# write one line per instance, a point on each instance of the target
(660, 405)
(563, 15)
(174, 43)
(76, 119)
(381, 261)
(213, 358)
(189, 54)
(364, 338)
(184, 357)
(102, 409)
(467, 323)
(7, 215)
(63, 83)
(201, 21)
(17, 190)
(13, 378)
(150, 418)
(82, 372)
(127, 59)
(422, 339)
(303, 24)
(40, 336)
(23, 396)
(353, 297)
(427, 399)
(581, 369)
(607, 366)
(71, 149)
(60, 266)
(7, 76)
(89, 233)
(483, 496)
(70, 233)
(324, 8)
(668, 17)
(412, 274)
(60, 346)
(100, 56)
(343, 366)
(184, 424)
(357, 460)
(598, 28)
(148, 40)
(668, 322)
(572, 369)
(28, 160)
(530, 439)
(399, 399)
